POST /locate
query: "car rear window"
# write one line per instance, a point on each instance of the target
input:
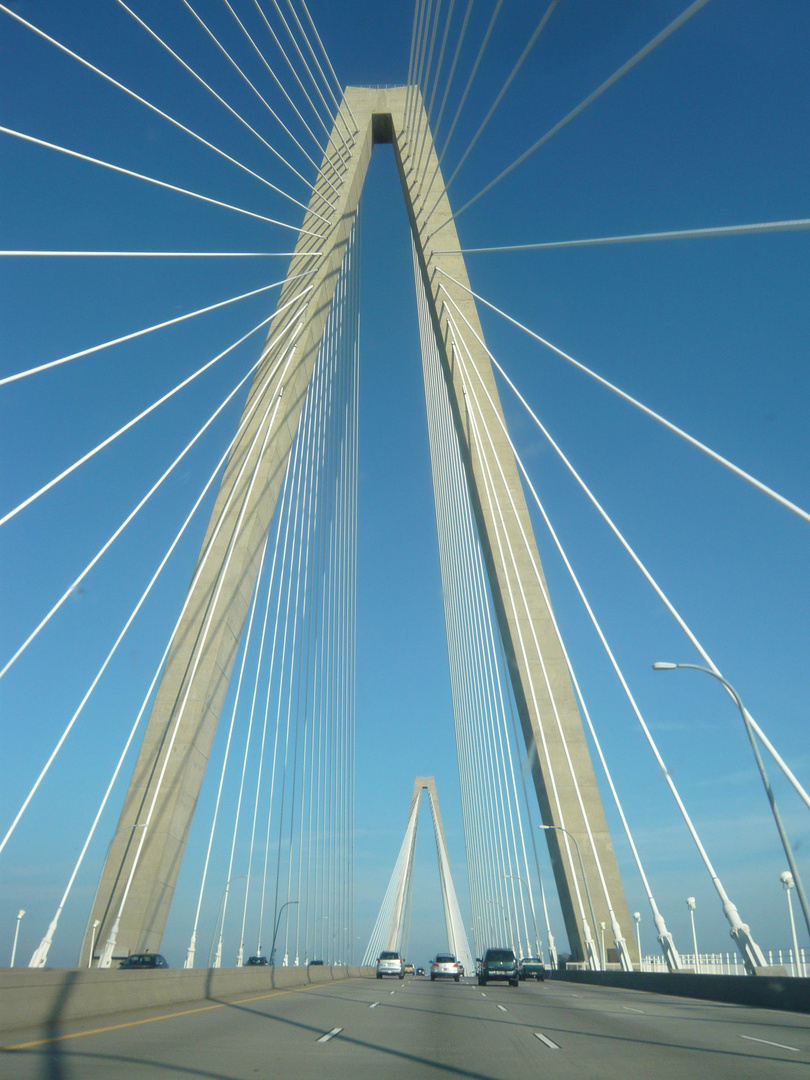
(445, 958)
(389, 956)
(500, 955)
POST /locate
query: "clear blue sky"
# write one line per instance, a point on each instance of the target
(709, 130)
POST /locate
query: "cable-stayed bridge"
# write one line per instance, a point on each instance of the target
(250, 456)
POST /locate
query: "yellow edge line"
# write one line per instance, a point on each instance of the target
(166, 1016)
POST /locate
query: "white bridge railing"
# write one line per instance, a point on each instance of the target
(730, 963)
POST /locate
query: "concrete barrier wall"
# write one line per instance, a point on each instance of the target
(765, 991)
(46, 1000)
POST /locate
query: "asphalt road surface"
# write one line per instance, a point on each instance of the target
(366, 1028)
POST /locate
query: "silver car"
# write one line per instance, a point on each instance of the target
(445, 966)
(390, 963)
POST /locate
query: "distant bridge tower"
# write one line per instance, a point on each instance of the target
(143, 862)
(391, 929)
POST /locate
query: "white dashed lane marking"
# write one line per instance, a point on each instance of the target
(374, 1004)
(546, 1040)
(628, 1009)
(769, 1043)
(330, 1035)
(502, 1008)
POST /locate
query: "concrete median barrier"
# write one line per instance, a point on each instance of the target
(764, 991)
(46, 1001)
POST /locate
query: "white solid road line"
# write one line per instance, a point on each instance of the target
(628, 1009)
(374, 1004)
(330, 1035)
(769, 1043)
(502, 1008)
(545, 1039)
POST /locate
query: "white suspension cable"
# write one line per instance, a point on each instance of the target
(470, 79)
(153, 180)
(792, 225)
(631, 63)
(750, 951)
(220, 99)
(69, 591)
(189, 961)
(291, 66)
(275, 78)
(328, 62)
(106, 956)
(749, 479)
(164, 254)
(258, 94)
(130, 423)
(670, 607)
(180, 457)
(440, 60)
(503, 538)
(147, 330)
(538, 576)
(483, 690)
(137, 97)
(452, 72)
(307, 42)
(510, 78)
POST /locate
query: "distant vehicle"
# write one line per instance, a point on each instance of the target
(499, 965)
(143, 961)
(445, 966)
(421, 971)
(390, 963)
(409, 969)
(532, 967)
(315, 963)
(257, 961)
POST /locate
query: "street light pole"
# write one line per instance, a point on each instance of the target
(787, 884)
(20, 914)
(637, 917)
(94, 928)
(665, 666)
(690, 903)
(588, 939)
(275, 931)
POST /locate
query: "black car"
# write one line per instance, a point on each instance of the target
(256, 961)
(143, 961)
(316, 963)
(498, 965)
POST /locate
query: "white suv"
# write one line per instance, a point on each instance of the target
(390, 963)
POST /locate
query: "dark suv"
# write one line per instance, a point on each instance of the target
(498, 965)
(143, 961)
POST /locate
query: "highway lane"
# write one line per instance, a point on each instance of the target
(416, 1029)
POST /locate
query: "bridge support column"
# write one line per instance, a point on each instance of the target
(143, 862)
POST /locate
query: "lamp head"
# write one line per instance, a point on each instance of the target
(664, 665)
(637, 916)
(20, 913)
(787, 879)
(690, 903)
